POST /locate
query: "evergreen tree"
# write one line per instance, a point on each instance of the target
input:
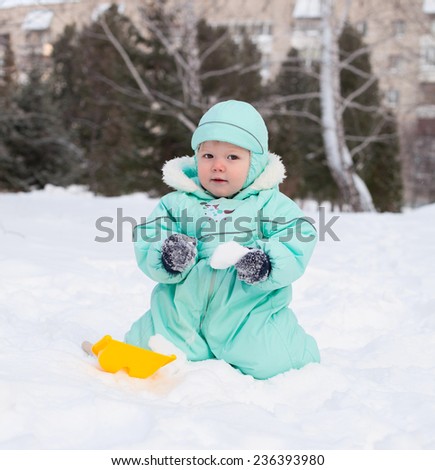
(297, 138)
(8, 180)
(240, 59)
(98, 96)
(376, 162)
(219, 52)
(125, 138)
(162, 75)
(35, 149)
(7, 73)
(382, 171)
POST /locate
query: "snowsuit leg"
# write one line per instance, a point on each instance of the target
(266, 341)
(175, 316)
(280, 345)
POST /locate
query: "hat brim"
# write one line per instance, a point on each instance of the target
(226, 132)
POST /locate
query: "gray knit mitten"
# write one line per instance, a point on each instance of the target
(253, 267)
(178, 252)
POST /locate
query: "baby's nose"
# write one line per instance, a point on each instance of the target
(218, 165)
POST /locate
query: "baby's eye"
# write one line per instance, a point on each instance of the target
(207, 155)
(233, 157)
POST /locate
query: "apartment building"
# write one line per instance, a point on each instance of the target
(400, 33)
(31, 26)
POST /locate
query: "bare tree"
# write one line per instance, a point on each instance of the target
(339, 158)
(182, 45)
(177, 31)
(157, 101)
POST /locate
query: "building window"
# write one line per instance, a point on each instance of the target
(36, 26)
(361, 27)
(268, 30)
(307, 27)
(426, 127)
(253, 30)
(427, 94)
(429, 55)
(399, 28)
(395, 63)
(266, 60)
(5, 40)
(392, 97)
(35, 40)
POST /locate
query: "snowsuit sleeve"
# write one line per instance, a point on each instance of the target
(148, 239)
(288, 238)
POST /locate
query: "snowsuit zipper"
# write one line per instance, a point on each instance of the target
(210, 292)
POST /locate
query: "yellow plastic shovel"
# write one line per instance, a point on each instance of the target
(114, 356)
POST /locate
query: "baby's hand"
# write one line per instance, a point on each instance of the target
(178, 252)
(254, 267)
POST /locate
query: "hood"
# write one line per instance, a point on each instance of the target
(182, 175)
(237, 123)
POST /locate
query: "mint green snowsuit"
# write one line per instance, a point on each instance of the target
(210, 313)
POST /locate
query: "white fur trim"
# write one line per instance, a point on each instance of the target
(174, 176)
(273, 174)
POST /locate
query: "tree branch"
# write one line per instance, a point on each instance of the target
(155, 104)
(170, 48)
(373, 137)
(219, 73)
(213, 47)
(131, 67)
(349, 99)
(267, 111)
(277, 100)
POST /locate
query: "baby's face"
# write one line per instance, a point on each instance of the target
(222, 167)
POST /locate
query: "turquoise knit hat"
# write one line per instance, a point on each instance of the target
(237, 123)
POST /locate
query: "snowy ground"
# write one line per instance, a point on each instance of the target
(369, 300)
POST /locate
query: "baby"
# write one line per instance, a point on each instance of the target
(224, 248)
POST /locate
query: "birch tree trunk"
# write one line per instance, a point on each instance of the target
(352, 187)
(193, 63)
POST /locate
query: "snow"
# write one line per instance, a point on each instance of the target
(368, 299)
(429, 6)
(307, 9)
(102, 8)
(227, 254)
(20, 3)
(37, 20)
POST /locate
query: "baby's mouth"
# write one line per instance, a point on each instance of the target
(218, 180)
